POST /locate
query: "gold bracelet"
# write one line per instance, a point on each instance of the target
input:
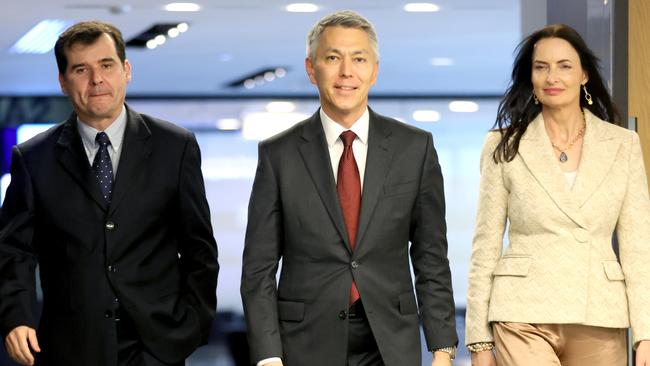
(480, 347)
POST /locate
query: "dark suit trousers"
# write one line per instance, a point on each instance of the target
(131, 351)
(362, 347)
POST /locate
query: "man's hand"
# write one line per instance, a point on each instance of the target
(441, 359)
(484, 358)
(20, 342)
(643, 354)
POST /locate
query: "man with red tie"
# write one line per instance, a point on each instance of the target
(338, 198)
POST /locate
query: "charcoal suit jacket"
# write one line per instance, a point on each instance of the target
(295, 216)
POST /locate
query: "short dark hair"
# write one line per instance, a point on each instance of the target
(517, 110)
(86, 33)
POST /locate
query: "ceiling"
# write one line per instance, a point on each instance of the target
(229, 39)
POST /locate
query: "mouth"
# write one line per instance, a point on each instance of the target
(552, 91)
(345, 89)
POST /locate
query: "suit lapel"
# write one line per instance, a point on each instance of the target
(377, 163)
(598, 155)
(537, 153)
(136, 148)
(315, 155)
(72, 156)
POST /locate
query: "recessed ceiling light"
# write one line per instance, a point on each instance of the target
(442, 61)
(426, 116)
(463, 106)
(421, 7)
(41, 38)
(182, 7)
(302, 8)
(183, 27)
(173, 32)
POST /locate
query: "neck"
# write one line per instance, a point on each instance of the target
(344, 119)
(100, 124)
(562, 124)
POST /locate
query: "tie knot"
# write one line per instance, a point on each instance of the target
(102, 139)
(348, 137)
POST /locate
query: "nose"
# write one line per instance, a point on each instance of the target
(345, 67)
(95, 77)
(551, 77)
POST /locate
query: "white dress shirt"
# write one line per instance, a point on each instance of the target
(333, 133)
(335, 146)
(115, 134)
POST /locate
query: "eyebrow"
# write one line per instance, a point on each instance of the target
(105, 59)
(546, 63)
(355, 52)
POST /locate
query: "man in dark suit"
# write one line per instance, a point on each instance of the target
(338, 197)
(111, 205)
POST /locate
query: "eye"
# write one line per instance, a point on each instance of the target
(331, 58)
(107, 66)
(566, 67)
(359, 59)
(539, 67)
(79, 70)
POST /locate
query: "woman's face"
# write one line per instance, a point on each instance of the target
(557, 74)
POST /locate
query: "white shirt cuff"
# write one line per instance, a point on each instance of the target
(269, 360)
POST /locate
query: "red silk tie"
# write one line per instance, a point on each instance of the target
(348, 187)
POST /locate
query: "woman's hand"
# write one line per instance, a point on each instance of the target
(643, 354)
(485, 358)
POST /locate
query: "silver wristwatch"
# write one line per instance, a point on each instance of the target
(451, 350)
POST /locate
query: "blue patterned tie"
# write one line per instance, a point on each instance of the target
(102, 166)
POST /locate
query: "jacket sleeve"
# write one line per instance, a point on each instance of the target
(428, 236)
(197, 246)
(17, 256)
(487, 245)
(633, 233)
(262, 253)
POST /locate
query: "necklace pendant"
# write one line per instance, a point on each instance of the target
(563, 157)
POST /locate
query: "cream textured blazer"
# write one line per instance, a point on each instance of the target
(559, 266)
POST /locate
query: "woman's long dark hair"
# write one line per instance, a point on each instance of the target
(517, 109)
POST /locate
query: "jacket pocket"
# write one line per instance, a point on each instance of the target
(400, 188)
(291, 311)
(407, 304)
(513, 266)
(613, 271)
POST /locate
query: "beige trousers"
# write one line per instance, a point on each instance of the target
(522, 344)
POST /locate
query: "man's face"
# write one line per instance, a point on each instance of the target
(343, 68)
(95, 81)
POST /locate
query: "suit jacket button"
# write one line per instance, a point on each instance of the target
(108, 314)
(110, 225)
(343, 314)
(354, 264)
(112, 269)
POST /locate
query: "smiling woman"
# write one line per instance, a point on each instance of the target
(563, 178)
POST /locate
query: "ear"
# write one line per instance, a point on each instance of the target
(375, 72)
(310, 70)
(127, 69)
(585, 78)
(62, 84)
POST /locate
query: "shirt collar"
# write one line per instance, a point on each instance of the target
(115, 131)
(333, 130)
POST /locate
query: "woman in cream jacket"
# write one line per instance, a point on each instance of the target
(562, 180)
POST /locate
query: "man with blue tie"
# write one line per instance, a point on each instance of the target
(338, 198)
(111, 205)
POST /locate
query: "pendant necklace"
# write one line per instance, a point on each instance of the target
(563, 156)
